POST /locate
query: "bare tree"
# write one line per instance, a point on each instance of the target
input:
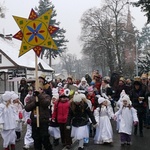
(104, 38)
(69, 61)
(116, 9)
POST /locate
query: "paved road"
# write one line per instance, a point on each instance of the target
(138, 143)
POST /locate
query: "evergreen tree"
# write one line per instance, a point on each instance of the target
(143, 63)
(144, 39)
(145, 7)
(58, 37)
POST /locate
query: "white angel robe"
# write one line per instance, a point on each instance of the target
(126, 118)
(104, 132)
(28, 140)
(8, 117)
(19, 109)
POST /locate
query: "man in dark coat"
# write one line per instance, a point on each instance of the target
(40, 134)
(137, 97)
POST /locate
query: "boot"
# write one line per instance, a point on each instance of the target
(141, 134)
(56, 142)
(7, 148)
(135, 130)
(12, 146)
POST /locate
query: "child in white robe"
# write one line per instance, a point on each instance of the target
(28, 140)
(19, 110)
(8, 119)
(127, 116)
(119, 104)
(103, 113)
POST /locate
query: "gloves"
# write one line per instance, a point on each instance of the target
(36, 93)
(37, 103)
(29, 121)
(135, 123)
(1, 127)
(68, 127)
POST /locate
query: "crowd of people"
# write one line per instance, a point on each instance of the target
(67, 109)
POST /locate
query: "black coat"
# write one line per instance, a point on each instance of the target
(80, 116)
(134, 96)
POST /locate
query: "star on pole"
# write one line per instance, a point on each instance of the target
(35, 32)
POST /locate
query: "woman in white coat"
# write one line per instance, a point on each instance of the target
(103, 113)
(127, 117)
(8, 118)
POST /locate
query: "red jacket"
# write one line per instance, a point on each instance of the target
(61, 110)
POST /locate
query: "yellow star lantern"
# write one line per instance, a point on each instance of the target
(35, 32)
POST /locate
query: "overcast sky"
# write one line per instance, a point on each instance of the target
(69, 13)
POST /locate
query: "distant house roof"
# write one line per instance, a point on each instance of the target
(11, 50)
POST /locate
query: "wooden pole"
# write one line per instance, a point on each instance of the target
(36, 87)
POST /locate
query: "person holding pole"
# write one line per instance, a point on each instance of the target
(40, 133)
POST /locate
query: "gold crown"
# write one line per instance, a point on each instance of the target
(137, 78)
(122, 79)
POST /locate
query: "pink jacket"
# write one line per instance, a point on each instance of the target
(61, 110)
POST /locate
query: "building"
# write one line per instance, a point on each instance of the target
(13, 68)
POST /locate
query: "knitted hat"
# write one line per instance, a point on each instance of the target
(101, 100)
(122, 93)
(6, 96)
(90, 89)
(14, 97)
(77, 97)
(83, 79)
(83, 96)
(126, 97)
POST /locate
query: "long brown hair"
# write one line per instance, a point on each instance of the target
(73, 105)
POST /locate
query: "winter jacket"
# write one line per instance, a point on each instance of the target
(61, 110)
(134, 96)
(44, 102)
(80, 116)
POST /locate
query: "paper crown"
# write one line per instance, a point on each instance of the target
(137, 78)
(122, 79)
